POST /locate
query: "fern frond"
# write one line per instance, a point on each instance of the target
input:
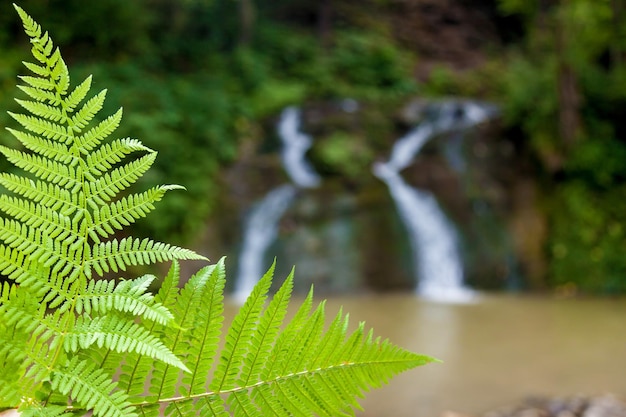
(94, 136)
(15, 265)
(263, 370)
(112, 333)
(129, 296)
(110, 184)
(44, 147)
(203, 335)
(125, 211)
(87, 112)
(47, 129)
(43, 110)
(115, 256)
(49, 195)
(240, 335)
(66, 193)
(37, 410)
(185, 306)
(74, 98)
(30, 214)
(92, 389)
(109, 154)
(44, 168)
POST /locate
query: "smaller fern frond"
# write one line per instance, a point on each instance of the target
(111, 332)
(110, 184)
(44, 147)
(43, 110)
(73, 99)
(39, 126)
(184, 307)
(116, 255)
(94, 136)
(43, 168)
(265, 367)
(92, 389)
(87, 112)
(125, 211)
(128, 296)
(49, 195)
(109, 154)
(265, 334)
(50, 410)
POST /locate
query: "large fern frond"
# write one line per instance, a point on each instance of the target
(61, 212)
(266, 367)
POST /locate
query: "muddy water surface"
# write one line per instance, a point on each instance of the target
(496, 352)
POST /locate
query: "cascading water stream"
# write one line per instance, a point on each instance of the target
(439, 268)
(261, 225)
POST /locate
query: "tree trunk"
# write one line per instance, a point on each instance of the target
(325, 22)
(570, 124)
(617, 54)
(247, 16)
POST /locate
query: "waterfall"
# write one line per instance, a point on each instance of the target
(438, 264)
(261, 226)
(295, 145)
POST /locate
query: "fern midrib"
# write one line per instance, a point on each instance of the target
(81, 281)
(286, 377)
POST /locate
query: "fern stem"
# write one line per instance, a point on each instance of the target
(278, 379)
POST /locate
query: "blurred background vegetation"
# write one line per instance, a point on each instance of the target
(197, 78)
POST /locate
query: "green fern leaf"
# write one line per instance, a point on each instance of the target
(115, 256)
(92, 389)
(125, 211)
(83, 116)
(47, 129)
(110, 154)
(43, 110)
(203, 335)
(240, 335)
(47, 148)
(94, 136)
(72, 100)
(67, 194)
(184, 307)
(115, 334)
(263, 370)
(129, 296)
(45, 169)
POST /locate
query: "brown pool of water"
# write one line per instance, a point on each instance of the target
(495, 352)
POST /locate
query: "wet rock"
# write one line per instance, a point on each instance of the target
(607, 405)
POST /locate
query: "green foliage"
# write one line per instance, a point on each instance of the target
(585, 175)
(73, 343)
(590, 256)
(343, 154)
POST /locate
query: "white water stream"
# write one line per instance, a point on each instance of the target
(438, 264)
(261, 226)
(439, 268)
